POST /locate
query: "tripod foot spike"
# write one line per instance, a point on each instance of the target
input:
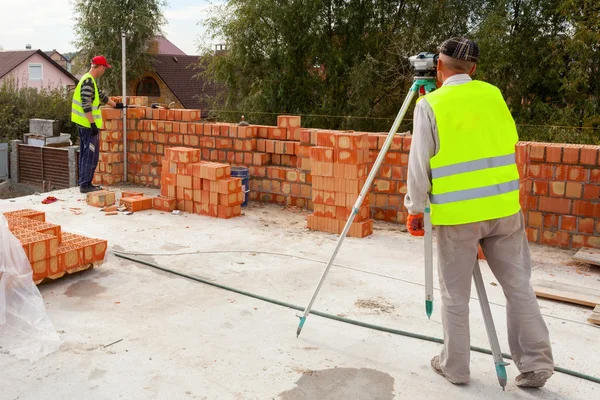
(501, 372)
(302, 321)
(429, 308)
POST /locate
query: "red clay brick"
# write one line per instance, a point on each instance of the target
(571, 154)
(541, 171)
(557, 189)
(560, 239)
(551, 221)
(537, 152)
(540, 187)
(586, 208)
(555, 205)
(553, 153)
(574, 190)
(586, 225)
(568, 223)
(534, 218)
(591, 192)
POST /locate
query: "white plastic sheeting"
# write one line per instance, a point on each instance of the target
(25, 329)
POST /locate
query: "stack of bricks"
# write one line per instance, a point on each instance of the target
(200, 187)
(286, 180)
(560, 193)
(389, 186)
(339, 172)
(51, 252)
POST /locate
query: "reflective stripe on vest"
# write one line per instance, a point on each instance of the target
(474, 174)
(77, 114)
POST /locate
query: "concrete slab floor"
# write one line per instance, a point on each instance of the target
(180, 339)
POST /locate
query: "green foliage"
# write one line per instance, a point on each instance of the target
(343, 63)
(19, 104)
(99, 24)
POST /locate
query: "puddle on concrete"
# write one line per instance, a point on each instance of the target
(342, 384)
(85, 288)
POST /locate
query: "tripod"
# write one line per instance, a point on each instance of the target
(421, 85)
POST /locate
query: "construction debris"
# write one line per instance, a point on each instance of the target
(588, 255)
(567, 293)
(594, 318)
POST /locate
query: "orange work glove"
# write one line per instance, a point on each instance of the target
(414, 223)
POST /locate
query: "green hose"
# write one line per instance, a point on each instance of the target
(336, 318)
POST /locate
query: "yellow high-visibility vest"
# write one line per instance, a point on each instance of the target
(77, 113)
(474, 174)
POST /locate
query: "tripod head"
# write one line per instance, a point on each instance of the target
(424, 64)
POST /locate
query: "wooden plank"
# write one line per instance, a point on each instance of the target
(567, 293)
(587, 255)
(594, 317)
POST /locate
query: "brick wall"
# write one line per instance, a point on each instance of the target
(560, 185)
(560, 193)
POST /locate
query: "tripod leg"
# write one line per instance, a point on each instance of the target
(428, 262)
(489, 326)
(361, 197)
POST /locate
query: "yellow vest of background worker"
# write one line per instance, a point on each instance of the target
(474, 174)
(77, 113)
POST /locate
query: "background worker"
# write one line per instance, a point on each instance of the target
(86, 113)
(462, 158)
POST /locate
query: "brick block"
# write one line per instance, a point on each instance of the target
(555, 205)
(361, 229)
(321, 154)
(589, 155)
(571, 154)
(129, 193)
(182, 154)
(163, 203)
(351, 141)
(184, 181)
(228, 211)
(101, 198)
(560, 239)
(27, 213)
(137, 203)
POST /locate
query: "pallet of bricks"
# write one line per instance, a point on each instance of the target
(339, 165)
(200, 187)
(50, 251)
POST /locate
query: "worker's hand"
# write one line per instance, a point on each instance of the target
(95, 129)
(119, 105)
(414, 223)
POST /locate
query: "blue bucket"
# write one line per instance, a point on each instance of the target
(244, 173)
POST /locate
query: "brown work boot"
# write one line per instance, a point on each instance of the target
(435, 365)
(533, 379)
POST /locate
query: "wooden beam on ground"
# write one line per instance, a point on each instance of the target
(594, 318)
(567, 293)
(587, 255)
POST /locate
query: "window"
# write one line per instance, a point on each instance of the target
(35, 72)
(147, 87)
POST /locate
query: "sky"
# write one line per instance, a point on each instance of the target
(48, 24)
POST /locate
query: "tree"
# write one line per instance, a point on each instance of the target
(99, 24)
(347, 59)
(328, 57)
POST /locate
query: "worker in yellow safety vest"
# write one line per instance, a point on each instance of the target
(462, 159)
(86, 113)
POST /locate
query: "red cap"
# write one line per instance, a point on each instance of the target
(100, 60)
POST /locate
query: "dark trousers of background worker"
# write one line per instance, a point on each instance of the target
(88, 156)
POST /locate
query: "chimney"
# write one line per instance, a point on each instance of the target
(28, 46)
